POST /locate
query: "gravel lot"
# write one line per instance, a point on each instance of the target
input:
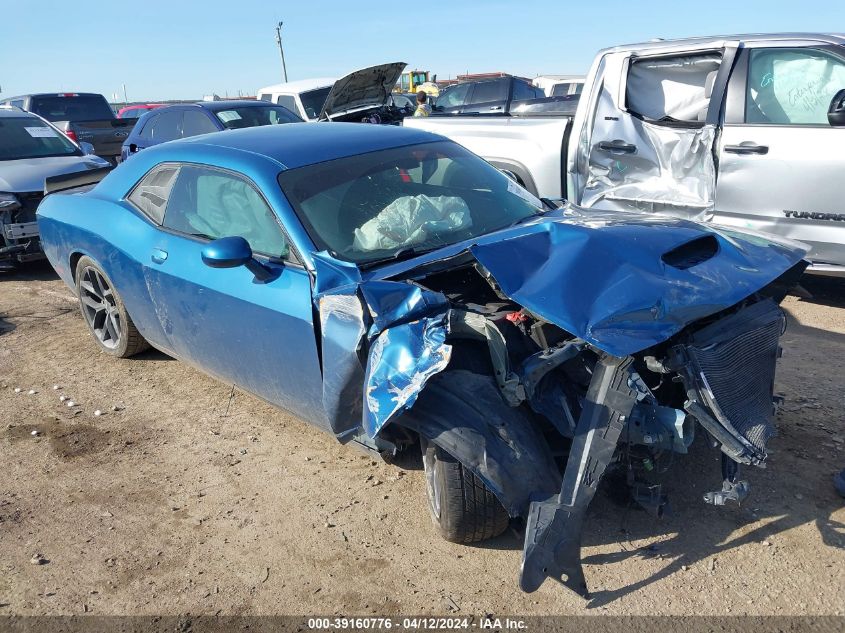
(187, 500)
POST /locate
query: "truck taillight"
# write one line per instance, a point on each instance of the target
(72, 136)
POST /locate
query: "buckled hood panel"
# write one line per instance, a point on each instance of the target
(603, 277)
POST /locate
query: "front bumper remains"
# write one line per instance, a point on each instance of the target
(727, 369)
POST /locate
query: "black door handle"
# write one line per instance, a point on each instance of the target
(618, 146)
(750, 148)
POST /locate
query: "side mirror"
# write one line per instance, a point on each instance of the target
(836, 111)
(231, 252)
(227, 252)
(133, 148)
(86, 148)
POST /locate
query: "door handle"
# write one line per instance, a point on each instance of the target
(747, 148)
(618, 146)
(158, 256)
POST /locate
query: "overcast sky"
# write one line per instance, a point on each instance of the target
(183, 49)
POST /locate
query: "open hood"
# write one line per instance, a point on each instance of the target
(363, 88)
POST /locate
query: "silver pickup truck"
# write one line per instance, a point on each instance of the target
(742, 130)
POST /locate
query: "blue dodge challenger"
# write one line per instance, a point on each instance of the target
(395, 290)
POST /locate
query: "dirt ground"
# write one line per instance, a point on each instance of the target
(186, 501)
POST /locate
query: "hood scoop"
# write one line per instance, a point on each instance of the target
(692, 253)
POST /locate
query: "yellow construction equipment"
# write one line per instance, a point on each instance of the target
(416, 80)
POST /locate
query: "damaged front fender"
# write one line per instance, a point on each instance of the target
(401, 360)
(388, 336)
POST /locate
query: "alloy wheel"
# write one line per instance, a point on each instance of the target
(100, 308)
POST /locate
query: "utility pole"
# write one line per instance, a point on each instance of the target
(281, 50)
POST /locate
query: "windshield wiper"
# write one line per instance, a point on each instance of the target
(401, 255)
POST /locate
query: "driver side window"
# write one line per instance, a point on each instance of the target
(212, 203)
(453, 97)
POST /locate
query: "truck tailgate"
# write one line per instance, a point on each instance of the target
(106, 136)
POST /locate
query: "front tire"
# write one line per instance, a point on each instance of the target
(104, 312)
(462, 508)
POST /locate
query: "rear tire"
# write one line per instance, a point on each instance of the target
(462, 508)
(104, 313)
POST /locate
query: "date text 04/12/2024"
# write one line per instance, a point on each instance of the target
(416, 623)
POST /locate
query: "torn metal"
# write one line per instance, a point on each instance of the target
(554, 353)
(632, 157)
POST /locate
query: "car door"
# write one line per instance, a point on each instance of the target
(488, 96)
(257, 335)
(780, 160)
(650, 141)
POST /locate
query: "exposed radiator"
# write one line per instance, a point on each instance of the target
(735, 360)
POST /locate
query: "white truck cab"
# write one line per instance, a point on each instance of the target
(305, 97)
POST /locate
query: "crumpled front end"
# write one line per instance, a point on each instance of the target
(600, 333)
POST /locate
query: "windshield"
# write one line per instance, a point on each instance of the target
(28, 137)
(252, 116)
(72, 108)
(314, 100)
(375, 206)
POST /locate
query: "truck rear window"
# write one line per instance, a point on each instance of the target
(72, 108)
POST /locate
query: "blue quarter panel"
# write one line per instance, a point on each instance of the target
(113, 236)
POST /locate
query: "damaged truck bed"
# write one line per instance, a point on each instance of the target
(415, 296)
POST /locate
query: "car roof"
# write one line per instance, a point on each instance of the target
(829, 38)
(299, 144)
(214, 106)
(301, 85)
(17, 113)
(66, 93)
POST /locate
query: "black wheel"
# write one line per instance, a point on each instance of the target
(105, 313)
(462, 508)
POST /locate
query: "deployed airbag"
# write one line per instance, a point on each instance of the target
(674, 87)
(412, 220)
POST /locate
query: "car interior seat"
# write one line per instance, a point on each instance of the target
(709, 82)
